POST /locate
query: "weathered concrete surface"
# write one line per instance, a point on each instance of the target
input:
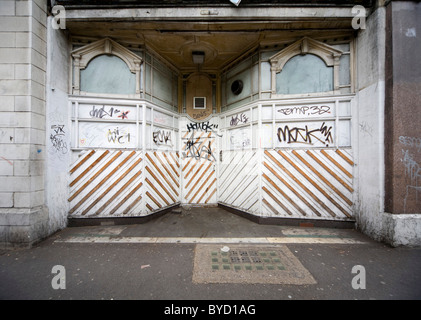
(164, 271)
(403, 100)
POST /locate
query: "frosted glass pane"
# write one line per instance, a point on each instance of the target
(162, 87)
(107, 74)
(344, 133)
(255, 77)
(344, 76)
(266, 76)
(304, 74)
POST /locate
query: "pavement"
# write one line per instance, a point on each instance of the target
(165, 259)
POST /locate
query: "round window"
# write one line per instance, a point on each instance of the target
(237, 87)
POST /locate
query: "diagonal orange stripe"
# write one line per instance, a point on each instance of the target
(316, 185)
(340, 194)
(170, 164)
(132, 205)
(333, 174)
(285, 195)
(207, 189)
(156, 190)
(89, 168)
(292, 189)
(106, 204)
(95, 175)
(154, 200)
(159, 183)
(197, 181)
(350, 162)
(210, 196)
(166, 169)
(336, 163)
(194, 175)
(127, 197)
(162, 175)
(82, 161)
(103, 180)
(201, 186)
(294, 178)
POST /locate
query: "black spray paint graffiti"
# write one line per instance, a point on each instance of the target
(57, 138)
(306, 136)
(203, 126)
(101, 112)
(197, 149)
(239, 118)
(162, 137)
(305, 110)
(117, 136)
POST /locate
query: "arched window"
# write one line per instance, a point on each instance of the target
(304, 74)
(106, 67)
(107, 74)
(307, 66)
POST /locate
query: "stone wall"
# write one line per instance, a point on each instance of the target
(23, 60)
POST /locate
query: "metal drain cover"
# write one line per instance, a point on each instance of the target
(263, 264)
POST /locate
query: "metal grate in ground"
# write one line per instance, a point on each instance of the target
(248, 264)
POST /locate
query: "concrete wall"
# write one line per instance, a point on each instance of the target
(368, 132)
(23, 60)
(58, 127)
(387, 117)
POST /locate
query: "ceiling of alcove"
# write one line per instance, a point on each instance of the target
(222, 42)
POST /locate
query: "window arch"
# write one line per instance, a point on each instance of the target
(304, 74)
(107, 74)
(99, 52)
(305, 57)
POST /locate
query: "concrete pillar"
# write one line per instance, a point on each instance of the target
(23, 52)
(402, 122)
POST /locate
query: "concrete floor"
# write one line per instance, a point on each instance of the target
(155, 261)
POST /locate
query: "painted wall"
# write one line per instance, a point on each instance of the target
(58, 128)
(383, 175)
(369, 110)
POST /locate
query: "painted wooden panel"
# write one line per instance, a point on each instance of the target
(308, 183)
(239, 180)
(162, 180)
(106, 183)
(199, 160)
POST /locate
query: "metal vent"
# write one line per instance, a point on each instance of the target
(199, 102)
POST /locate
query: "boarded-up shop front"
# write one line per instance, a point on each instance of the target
(256, 116)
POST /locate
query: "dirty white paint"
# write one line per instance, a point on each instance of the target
(58, 129)
(210, 240)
